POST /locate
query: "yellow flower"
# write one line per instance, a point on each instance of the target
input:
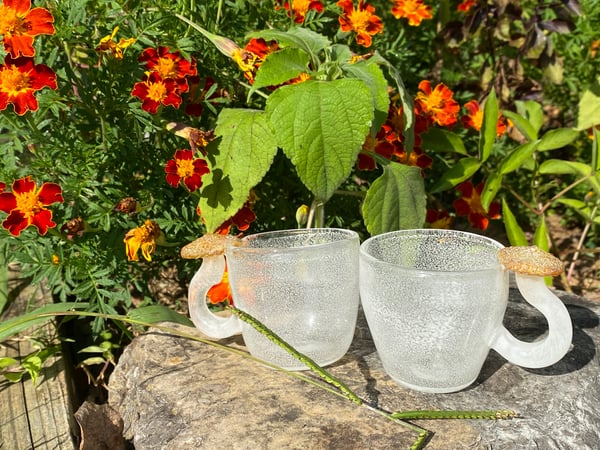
(143, 237)
(109, 45)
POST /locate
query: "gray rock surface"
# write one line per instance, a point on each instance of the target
(176, 393)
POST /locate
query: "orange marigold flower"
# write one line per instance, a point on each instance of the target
(466, 5)
(19, 79)
(221, 292)
(241, 219)
(19, 24)
(169, 65)
(438, 219)
(252, 56)
(474, 118)
(26, 205)
(299, 8)
(415, 158)
(143, 237)
(109, 45)
(438, 104)
(361, 19)
(187, 169)
(154, 91)
(470, 205)
(415, 11)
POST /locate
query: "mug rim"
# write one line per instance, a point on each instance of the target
(347, 235)
(427, 231)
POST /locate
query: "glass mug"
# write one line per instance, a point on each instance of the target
(302, 284)
(435, 300)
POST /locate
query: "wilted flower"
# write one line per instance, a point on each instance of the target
(109, 45)
(128, 205)
(144, 237)
(74, 227)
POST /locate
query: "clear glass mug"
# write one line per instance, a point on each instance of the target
(435, 301)
(302, 284)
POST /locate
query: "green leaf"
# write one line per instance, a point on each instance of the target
(371, 74)
(535, 115)
(540, 238)
(461, 171)
(440, 140)
(561, 167)
(522, 124)
(299, 37)
(490, 189)
(321, 126)
(408, 108)
(158, 313)
(517, 157)
(589, 107)
(7, 361)
(395, 200)
(245, 153)
(580, 207)
(487, 136)
(557, 138)
(515, 234)
(281, 66)
(11, 327)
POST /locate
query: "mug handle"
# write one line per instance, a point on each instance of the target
(555, 345)
(210, 273)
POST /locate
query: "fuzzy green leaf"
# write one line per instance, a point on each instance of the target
(461, 171)
(395, 200)
(244, 155)
(309, 41)
(281, 66)
(589, 107)
(487, 136)
(321, 126)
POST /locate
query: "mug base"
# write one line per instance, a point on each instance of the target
(433, 389)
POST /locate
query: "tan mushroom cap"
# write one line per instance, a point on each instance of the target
(530, 261)
(207, 245)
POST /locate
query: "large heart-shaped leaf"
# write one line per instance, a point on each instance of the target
(245, 153)
(395, 200)
(321, 126)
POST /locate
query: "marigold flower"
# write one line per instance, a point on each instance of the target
(415, 11)
(184, 167)
(26, 204)
(299, 8)
(143, 237)
(109, 45)
(19, 24)
(74, 227)
(128, 205)
(252, 56)
(470, 205)
(154, 91)
(241, 219)
(437, 104)
(2, 187)
(362, 20)
(221, 292)
(466, 5)
(19, 79)
(55, 259)
(474, 118)
(438, 219)
(169, 65)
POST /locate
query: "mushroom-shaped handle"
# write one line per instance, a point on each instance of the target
(530, 265)
(210, 273)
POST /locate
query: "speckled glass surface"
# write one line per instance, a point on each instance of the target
(303, 285)
(433, 300)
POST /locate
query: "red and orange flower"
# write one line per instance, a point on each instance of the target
(19, 79)
(187, 169)
(439, 219)
(19, 24)
(109, 45)
(469, 204)
(474, 118)
(169, 65)
(361, 20)
(466, 5)
(415, 11)
(437, 104)
(299, 8)
(221, 292)
(155, 91)
(26, 205)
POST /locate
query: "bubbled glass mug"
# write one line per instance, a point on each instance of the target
(302, 284)
(435, 301)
